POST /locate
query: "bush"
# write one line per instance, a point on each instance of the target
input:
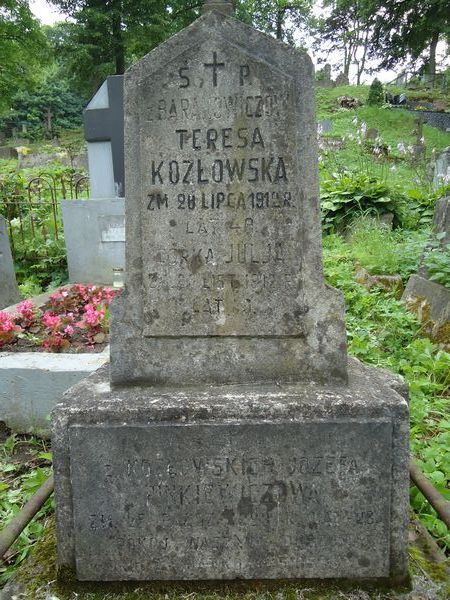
(346, 196)
(376, 94)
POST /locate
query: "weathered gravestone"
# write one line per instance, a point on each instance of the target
(96, 248)
(9, 292)
(429, 299)
(325, 126)
(234, 441)
(442, 169)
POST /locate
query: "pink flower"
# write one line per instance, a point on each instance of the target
(25, 306)
(7, 322)
(51, 321)
(93, 314)
(69, 330)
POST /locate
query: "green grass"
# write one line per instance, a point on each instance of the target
(383, 251)
(394, 125)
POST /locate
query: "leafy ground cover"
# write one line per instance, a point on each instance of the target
(74, 319)
(397, 134)
(382, 332)
(25, 463)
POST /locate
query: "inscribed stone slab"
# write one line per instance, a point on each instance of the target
(222, 211)
(225, 501)
(9, 292)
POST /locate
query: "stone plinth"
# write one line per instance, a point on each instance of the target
(233, 482)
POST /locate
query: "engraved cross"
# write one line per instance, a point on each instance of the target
(214, 66)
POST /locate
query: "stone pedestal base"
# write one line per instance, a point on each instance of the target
(233, 482)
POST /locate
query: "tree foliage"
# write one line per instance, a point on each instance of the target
(279, 18)
(23, 49)
(408, 28)
(49, 107)
(347, 29)
(106, 36)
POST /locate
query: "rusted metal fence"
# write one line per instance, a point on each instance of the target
(33, 212)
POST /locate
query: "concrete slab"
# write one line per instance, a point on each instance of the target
(31, 383)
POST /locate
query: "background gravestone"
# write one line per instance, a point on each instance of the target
(103, 130)
(233, 440)
(442, 169)
(97, 247)
(428, 299)
(325, 126)
(9, 292)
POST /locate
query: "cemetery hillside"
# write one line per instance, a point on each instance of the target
(224, 300)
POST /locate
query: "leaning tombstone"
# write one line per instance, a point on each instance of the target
(233, 438)
(95, 228)
(429, 299)
(9, 292)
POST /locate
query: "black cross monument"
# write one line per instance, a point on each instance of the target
(106, 124)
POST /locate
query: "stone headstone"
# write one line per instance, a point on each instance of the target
(372, 133)
(98, 247)
(442, 169)
(325, 126)
(342, 79)
(222, 218)
(9, 292)
(233, 440)
(430, 300)
(103, 130)
(8, 153)
(441, 220)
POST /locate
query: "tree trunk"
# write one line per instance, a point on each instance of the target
(362, 62)
(117, 39)
(433, 45)
(347, 61)
(279, 23)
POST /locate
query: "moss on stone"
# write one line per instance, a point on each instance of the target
(40, 568)
(441, 333)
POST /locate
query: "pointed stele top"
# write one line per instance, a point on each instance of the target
(223, 6)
